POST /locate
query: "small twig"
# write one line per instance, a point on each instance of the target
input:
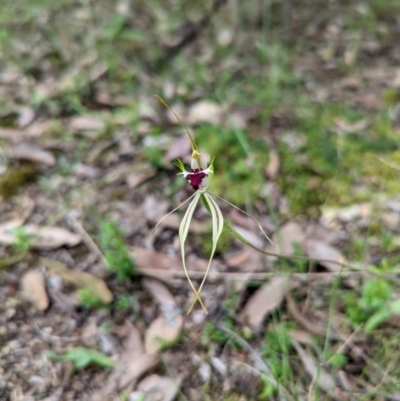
(235, 276)
(86, 238)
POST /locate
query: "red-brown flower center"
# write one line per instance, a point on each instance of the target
(195, 178)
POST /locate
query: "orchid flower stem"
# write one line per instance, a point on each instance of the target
(192, 142)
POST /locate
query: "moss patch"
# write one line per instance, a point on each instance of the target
(14, 178)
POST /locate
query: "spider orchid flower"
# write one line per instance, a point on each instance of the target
(199, 177)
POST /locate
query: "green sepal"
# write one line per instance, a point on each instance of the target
(179, 163)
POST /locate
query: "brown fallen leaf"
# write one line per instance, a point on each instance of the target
(136, 178)
(290, 234)
(32, 153)
(251, 236)
(132, 364)
(33, 289)
(323, 253)
(146, 258)
(247, 260)
(162, 331)
(159, 388)
(205, 111)
(266, 299)
(178, 149)
(310, 325)
(32, 131)
(25, 116)
(159, 291)
(41, 237)
(167, 327)
(86, 123)
(80, 279)
(272, 169)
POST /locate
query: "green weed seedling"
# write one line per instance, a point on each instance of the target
(89, 300)
(22, 243)
(372, 307)
(276, 348)
(82, 358)
(112, 243)
(124, 302)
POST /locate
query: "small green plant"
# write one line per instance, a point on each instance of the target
(124, 302)
(277, 345)
(211, 334)
(375, 294)
(89, 300)
(116, 253)
(22, 241)
(82, 358)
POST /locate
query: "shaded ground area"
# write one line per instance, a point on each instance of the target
(300, 106)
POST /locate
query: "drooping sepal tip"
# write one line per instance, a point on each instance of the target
(192, 142)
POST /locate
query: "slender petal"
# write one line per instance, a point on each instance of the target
(183, 232)
(218, 225)
(247, 214)
(172, 211)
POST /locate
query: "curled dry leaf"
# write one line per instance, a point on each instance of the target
(250, 236)
(80, 279)
(132, 364)
(324, 253)
(33, 154)
(311, 325)
(33, 289)
(86, 123)
(152, 263)
(290, 234)
(159, 388)
(162, 331)
(42, 237)
(159, 291)
(167, 327)
(266, 299)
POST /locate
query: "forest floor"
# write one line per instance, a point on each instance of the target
(299, 104)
